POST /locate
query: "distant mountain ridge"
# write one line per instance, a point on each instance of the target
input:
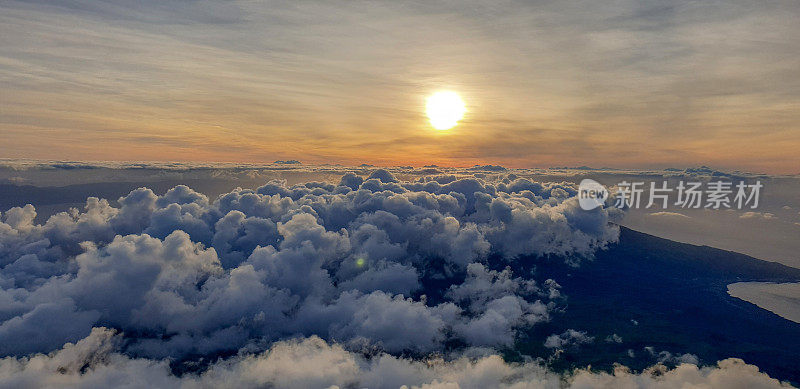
(705, 258)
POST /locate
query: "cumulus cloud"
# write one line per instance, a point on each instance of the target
(182, 274)
(96, 362)
(613, 338)
(570, 338)
(758, 215)
(668, 357)
(375, 281)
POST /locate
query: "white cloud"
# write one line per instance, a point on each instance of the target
(196, 276)
(670, 215)
(311, 362)
(339, 267)
(614, 338)
(569, 338)
(758, 215)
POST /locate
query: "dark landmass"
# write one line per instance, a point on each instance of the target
(669, 296)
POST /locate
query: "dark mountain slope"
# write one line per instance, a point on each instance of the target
(670, 296)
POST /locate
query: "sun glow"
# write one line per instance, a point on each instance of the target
(445, 109)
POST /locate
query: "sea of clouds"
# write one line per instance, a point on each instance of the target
(369, 282)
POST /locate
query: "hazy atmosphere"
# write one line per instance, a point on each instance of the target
(631, 84)
(399, 194)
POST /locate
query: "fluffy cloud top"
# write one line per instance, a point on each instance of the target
(366, 280)
(95, 362)
(349, 262)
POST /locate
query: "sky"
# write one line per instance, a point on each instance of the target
(644, 84)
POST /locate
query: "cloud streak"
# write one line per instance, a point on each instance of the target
(697, 82)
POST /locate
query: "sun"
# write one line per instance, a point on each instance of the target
(445, 109)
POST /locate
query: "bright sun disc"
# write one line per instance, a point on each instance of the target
(445, 109)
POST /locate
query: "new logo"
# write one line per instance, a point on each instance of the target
(591, 194)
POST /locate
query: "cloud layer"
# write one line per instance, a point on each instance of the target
(94, 362)
(351, 263)
(374, 281)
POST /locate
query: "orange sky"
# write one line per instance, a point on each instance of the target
(630, 85)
